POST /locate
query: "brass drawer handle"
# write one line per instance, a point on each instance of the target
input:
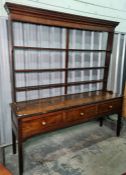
(43, 123)
(110, 106)
(81, 113)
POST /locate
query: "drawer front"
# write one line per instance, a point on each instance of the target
(44, 123)
(48, 122)
(38, 124)
(111, 106)
(82, 113)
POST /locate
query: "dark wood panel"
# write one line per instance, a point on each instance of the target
(39, 124)
(114, 105)
(86, 112)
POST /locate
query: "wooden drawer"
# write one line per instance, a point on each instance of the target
(81, 113)
(48, 122)
(110, 106)
(42, 123)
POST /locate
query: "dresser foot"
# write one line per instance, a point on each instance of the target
(20, 157)
(118, 125)
(101, 122)
(13, 142)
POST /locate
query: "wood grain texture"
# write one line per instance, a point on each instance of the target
(52, 104)
(114, 105)
(37, 124)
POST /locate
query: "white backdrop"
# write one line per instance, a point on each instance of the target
(5, 92)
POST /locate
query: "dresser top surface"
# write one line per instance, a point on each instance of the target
(52, 104)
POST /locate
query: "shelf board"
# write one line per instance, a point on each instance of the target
(56, 70)
(30, 88)
(58, 49)
(38, 48)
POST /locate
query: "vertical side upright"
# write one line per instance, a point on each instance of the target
(12, 74)
(66, 60)
(12, 63)
(91, 60)
(99, 58)
(107, 59)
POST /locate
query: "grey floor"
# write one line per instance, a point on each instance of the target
(85, 149)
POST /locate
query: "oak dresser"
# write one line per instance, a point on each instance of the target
(59, 70)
